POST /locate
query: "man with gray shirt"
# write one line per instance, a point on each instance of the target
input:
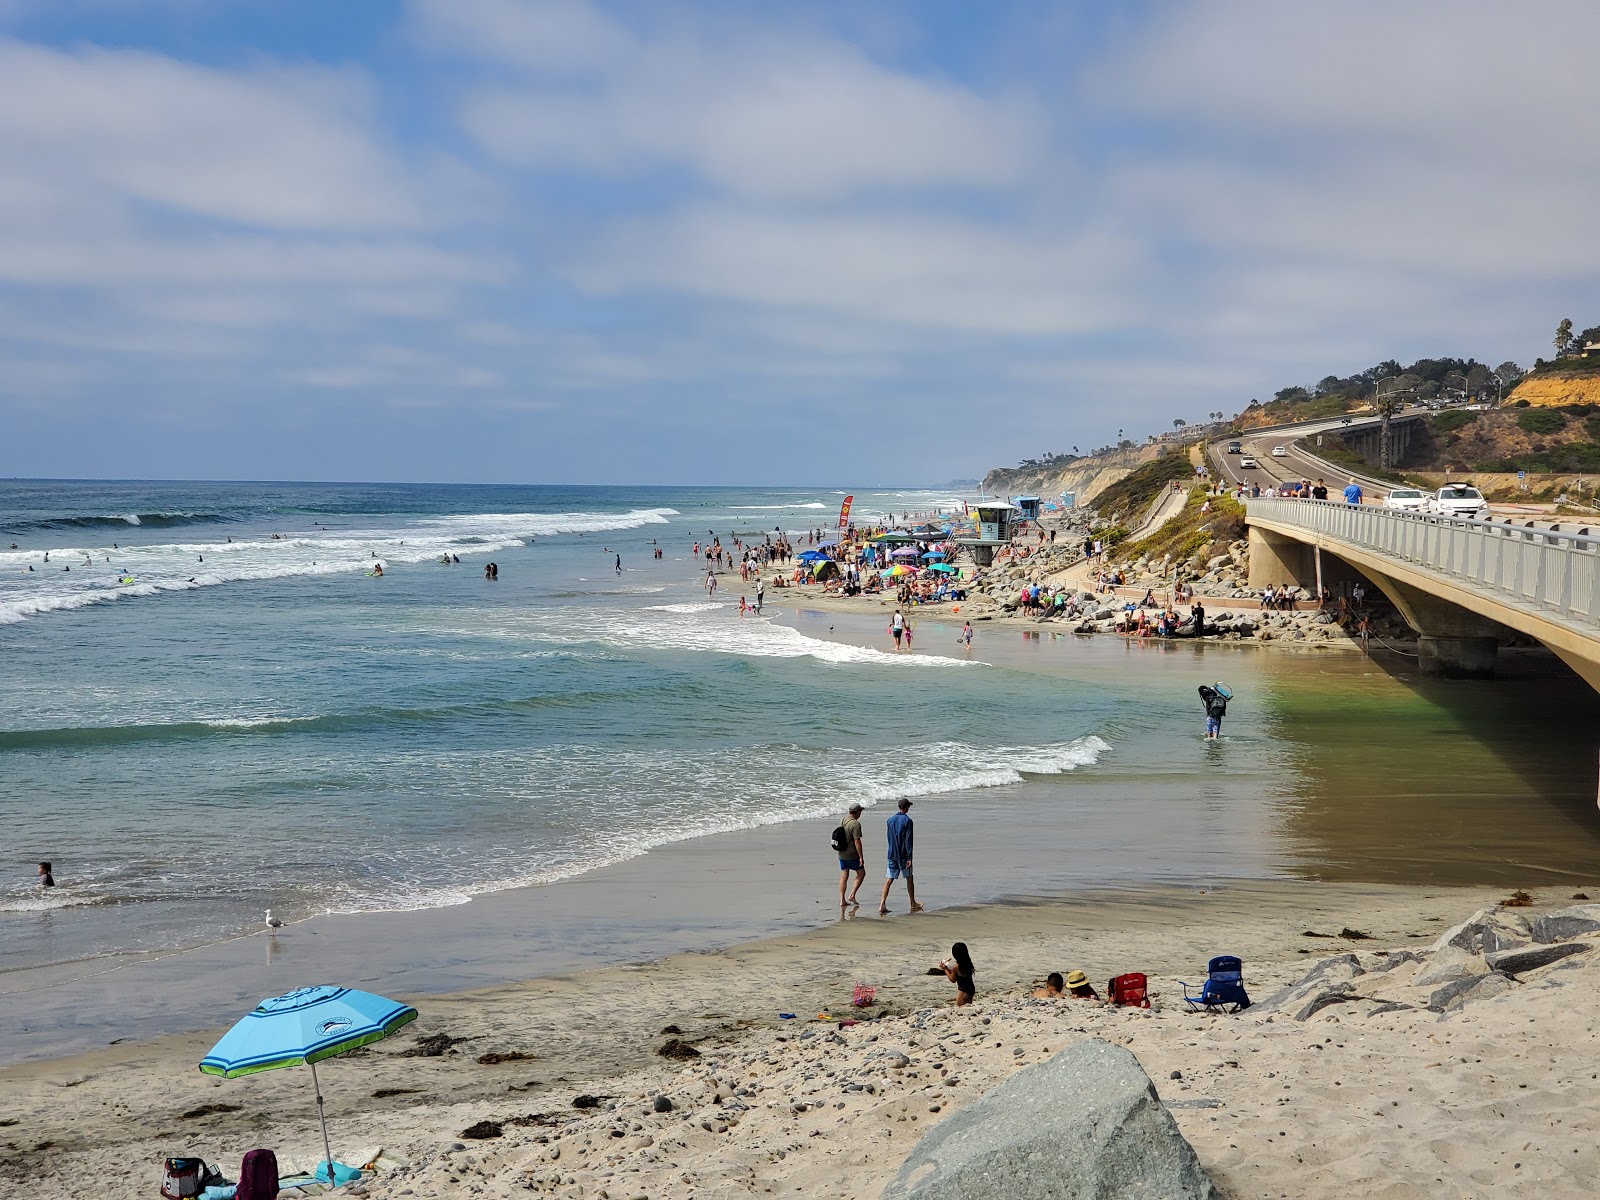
(852, 857)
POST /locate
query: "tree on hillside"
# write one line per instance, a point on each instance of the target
(1563, 339)
(1509, 372)
(1179, 423)
(1387, 401)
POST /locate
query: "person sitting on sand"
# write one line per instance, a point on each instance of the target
(1079, 987)
(958, 970)
(1054, 987)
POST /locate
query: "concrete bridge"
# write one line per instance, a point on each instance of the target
(1459, 583)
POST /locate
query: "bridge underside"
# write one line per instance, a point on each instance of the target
(1458, 631)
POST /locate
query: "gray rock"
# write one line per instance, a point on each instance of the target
(1451, 965)
(662, 1104)
(1389, 1006)
(1454, 995)
(1391, 960)
(1086, 1123)
(1531, 958)
(1341, 994)
(1567, 923)
(1332, 973)
(1488, 930)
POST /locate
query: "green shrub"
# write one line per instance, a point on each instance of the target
(1540, 420)
(1449, 422)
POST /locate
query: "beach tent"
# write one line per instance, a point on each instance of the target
(896, 537)
(823, 568)
(306, 1026)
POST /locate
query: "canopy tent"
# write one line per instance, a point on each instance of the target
(897, 537)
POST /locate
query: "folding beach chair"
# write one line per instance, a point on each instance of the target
(1129, 991)
(1223, 988)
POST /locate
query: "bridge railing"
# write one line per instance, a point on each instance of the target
(1553, 570)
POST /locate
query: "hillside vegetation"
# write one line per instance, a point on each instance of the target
(1126, 501)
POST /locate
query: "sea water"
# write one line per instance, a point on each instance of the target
(219, 709)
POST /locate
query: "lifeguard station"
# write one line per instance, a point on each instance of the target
(996, 523)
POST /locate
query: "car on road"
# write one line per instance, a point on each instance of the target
(1247, 463)
(1459, 500)
(1280, 452)
(1406, 499)
(1235, 448)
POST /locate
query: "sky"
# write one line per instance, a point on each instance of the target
(720, 242)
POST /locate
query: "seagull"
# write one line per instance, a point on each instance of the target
(272, 921)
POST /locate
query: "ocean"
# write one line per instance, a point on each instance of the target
(219, 710)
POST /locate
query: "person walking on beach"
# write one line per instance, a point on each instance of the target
(965, 637)
(852, 857)
(761, 595)
(900, 835)
(1216, 708)
(897, 626)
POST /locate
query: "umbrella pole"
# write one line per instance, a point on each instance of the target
(327, 1154)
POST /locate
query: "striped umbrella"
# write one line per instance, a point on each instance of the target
(305, 1026)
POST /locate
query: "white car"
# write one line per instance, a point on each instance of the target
(1280, 452)
(1407, 499)
(1460, 500)
(1246, 463)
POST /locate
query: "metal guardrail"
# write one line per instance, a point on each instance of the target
(1559, 572)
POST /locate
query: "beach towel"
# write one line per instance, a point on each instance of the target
(258, 1176)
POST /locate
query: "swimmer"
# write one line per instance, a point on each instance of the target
(377, 570)
(47, 878)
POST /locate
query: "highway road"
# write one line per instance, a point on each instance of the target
(1272, 470)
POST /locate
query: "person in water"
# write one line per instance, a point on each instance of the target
(377, 570)
(47, 877)
(1216, 708)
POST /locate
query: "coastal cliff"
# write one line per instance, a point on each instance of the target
(1085, 477)
(1558, 389)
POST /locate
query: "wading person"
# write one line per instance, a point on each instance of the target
(900, 836)
(1216, 708)
(852, 857)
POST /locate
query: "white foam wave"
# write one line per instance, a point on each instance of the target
(703, 606)
(777, 507)
(97, 571)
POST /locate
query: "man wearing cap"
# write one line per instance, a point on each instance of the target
(853, 857)
(900, 858)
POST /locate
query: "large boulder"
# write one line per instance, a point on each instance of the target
(1490, 930)
(1084, 1125)
(1567, 923)
(1531, 958)
(1331, 975)
(1451, 965)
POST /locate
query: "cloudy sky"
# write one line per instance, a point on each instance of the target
(899, 242)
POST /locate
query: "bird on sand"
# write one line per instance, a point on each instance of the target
(272, 921)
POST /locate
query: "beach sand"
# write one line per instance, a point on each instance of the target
(1496, 1097)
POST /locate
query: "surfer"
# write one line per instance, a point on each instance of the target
(377, 570)
(1216, 701)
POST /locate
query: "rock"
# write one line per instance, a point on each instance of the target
(587, 1101)
(1531, 958)
(1084, 1123)
(1393, 959)
(1328, 975)
(674, 1048)
(661, 1104)
(1454, 995)
(1567, 923)
(1339, 994)
(483, 1130)
(1491, 929)
(1451, 965)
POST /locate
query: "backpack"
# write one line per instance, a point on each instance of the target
(840, 841)
(182, 1178)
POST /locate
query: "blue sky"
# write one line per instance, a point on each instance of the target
(509, 240)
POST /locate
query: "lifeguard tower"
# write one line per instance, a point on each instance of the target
(1028, 506)
(996, 521)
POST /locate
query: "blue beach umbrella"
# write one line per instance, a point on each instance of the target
(811, 556)
(306, 1026)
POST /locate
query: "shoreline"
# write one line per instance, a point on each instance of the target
(110, 1114)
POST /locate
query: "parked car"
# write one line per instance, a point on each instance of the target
(1247, 463)
(1280, 452)
(1460, 500)
(1406, 499)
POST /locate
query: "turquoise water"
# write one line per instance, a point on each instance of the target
(254, 721)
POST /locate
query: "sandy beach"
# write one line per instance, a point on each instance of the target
(1405, 1103)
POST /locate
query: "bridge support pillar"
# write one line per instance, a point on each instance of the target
(1451, 641)
(1276, 559)
(1457, 657)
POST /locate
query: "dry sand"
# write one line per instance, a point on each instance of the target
(1495, 1098)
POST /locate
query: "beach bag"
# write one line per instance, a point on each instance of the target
(840, 842)
(863, 995)
(182, 1178)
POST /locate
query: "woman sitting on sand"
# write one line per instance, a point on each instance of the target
(958, 970)
(1079, 987)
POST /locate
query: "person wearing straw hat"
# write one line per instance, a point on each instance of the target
(1079, 987)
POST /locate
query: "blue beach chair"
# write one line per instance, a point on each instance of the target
(1223, 989)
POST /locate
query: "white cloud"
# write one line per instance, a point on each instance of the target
(939, 273)
(758, 116)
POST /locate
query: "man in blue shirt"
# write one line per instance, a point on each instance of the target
(900, 858)
(1352, 494)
